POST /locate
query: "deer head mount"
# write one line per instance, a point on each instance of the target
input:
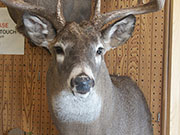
(83, 98)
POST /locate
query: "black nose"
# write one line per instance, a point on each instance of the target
(82, 83)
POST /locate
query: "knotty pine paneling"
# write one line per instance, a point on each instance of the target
(23, 101)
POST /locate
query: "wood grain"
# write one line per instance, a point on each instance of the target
(36, 88)
(1, 92)
(166, 75)
(175, 72)
(45, 116)
(27, 106)
(17, 91)
(145, 55)
(156, 72)
(7, 94)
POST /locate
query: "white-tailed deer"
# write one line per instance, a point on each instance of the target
(83, 99)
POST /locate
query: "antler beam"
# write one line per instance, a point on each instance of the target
(22, 5)
(152, 6)
(59, 21)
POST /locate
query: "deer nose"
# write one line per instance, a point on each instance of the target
(82, 83)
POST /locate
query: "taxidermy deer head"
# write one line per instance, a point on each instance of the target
(83, 98)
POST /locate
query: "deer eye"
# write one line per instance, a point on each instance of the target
(59, 50)
(100, 50)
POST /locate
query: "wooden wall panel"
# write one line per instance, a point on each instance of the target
(45, 116)
(1, 90)
(174, 69)
(156, 68)
(36, 88)
(17, 91)
(27, 100)
(1, 93)
(7, 93)
(145, 55)
(23, 101)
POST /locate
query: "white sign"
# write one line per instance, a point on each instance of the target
(11, 42)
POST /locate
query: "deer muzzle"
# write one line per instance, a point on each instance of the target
(82, 83)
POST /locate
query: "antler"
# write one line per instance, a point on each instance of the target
(98, 8)
(60, 16)
(20, 4)
(102, 19)
(59, 21)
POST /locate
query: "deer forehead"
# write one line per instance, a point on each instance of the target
(79, 35)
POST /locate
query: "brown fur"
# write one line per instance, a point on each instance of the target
(124, 111)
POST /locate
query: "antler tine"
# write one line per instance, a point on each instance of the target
(98, 8)
(60, 17)
(152, 6)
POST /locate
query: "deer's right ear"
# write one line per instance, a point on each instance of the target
(39, 30)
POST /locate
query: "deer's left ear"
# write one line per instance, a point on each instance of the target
(39, 30)
(119, 32)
